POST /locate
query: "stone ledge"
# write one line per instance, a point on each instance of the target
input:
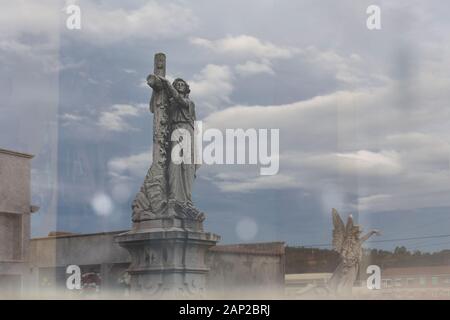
(266, 249)
(169, 270)
(16, 154)
(164, 235)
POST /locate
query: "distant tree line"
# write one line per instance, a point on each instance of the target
(308, 260)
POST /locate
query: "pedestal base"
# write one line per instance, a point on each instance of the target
(167, 262)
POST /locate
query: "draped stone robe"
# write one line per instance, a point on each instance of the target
(181, 176)
(167, 188)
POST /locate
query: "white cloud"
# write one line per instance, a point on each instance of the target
(40, 56)
(245, 46)
(115, 118)
(126, 174)
(153, 20)
(348, 69)
(250, 68)
(71, 117)
(29, 33)
(212, 87)
(129, 71)
(68, 119)
(434, 155)
(29, 17)
(369, 163)
(385, 142)
(242, 183)
(374, 202)
(134, 166)
(360, 143)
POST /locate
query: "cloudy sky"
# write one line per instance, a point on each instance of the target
(363, 114)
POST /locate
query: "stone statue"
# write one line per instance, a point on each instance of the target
(347, 242)
(167, 188)
(167, 243)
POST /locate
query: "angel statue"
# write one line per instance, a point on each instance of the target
(347, 242)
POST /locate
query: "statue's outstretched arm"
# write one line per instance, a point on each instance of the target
(154, 82)
(171, 91)
(369, 234)
(175, 95)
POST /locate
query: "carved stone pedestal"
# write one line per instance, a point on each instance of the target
(167, 243)
(167, 258)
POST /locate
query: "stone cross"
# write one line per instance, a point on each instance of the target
(167, 243)
(160, 65)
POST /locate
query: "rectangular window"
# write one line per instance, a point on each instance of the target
(422, 281)
(434, 281)
(387, 283)
(398, 282)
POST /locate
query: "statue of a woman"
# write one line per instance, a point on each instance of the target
(182, 117)
(167, 188)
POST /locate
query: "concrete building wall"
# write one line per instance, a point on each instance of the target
(85, 249)
(10, 237)
(15, 210)
(14, 182)
(231, 267)
(42, 262)
(94, 253)
(242, 268)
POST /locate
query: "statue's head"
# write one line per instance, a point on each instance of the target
(181, 86)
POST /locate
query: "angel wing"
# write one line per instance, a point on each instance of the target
(339, 231)
(349, 225)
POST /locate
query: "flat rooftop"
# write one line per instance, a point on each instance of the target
(16, 154)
